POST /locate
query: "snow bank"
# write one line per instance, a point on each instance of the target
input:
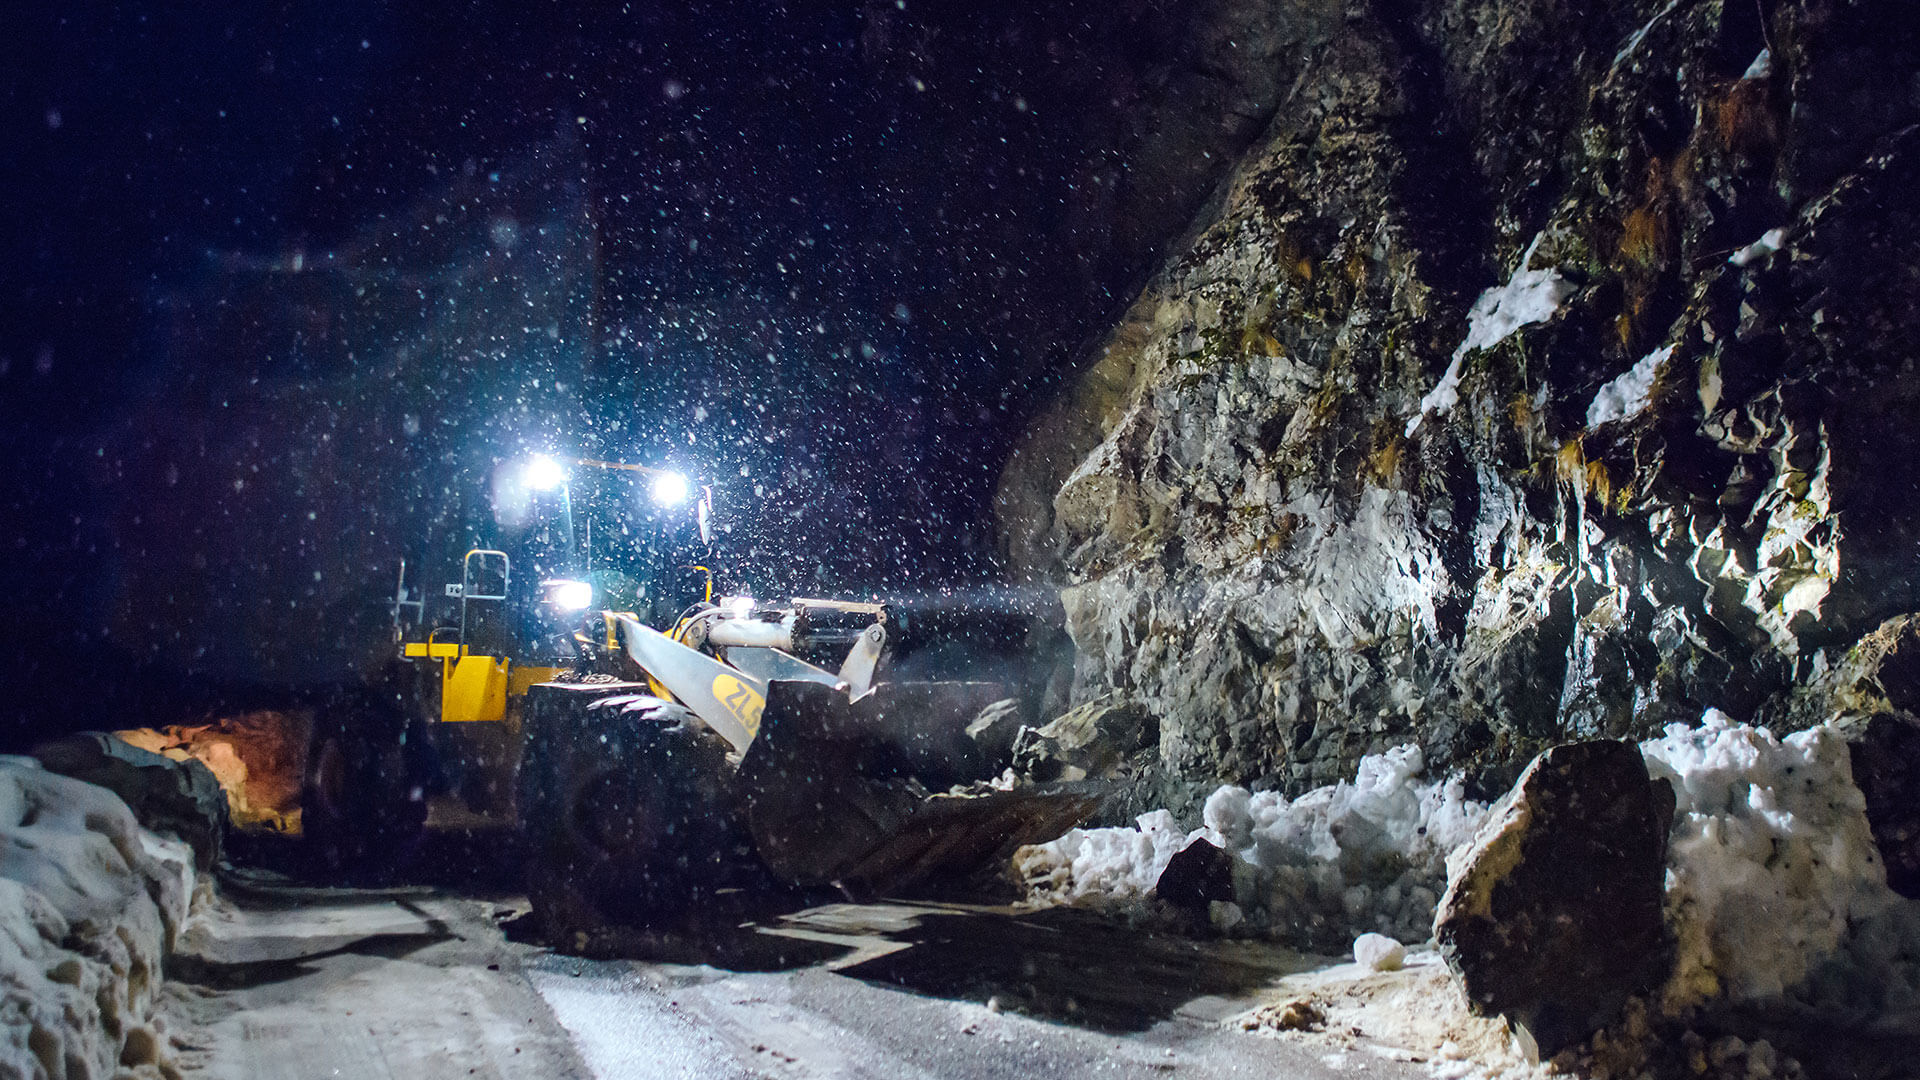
(89, 904)
(1366, 856)
(1629, 394)
(1775, 889)
(1529, 296)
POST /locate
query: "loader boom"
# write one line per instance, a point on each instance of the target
(726, 698)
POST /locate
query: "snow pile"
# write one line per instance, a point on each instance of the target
(89, 904)
(1629, 394)
(1529, 296)
(1108, 868)
(1344, 859)
(1775, 888)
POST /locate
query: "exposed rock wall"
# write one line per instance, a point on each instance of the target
(1544, 372)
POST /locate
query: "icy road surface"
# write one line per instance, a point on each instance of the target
(405, 984)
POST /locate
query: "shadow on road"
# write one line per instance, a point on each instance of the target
(247, 974)
(487, 859)
(726, 932)
(1070, 966)
(1065, 965)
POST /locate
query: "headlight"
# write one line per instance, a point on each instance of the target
(569, 595)
(670, 488)
(544, 474)
(737, 606)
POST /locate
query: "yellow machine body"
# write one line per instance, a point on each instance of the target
(476, 688)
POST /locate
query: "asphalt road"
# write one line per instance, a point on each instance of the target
(281, 982)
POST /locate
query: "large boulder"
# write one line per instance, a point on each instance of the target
(1088, 742)
(994, 730)
(180, 797)
(259, 759)
(1553, 913)
(1197, 876)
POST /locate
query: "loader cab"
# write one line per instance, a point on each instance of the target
(551, 546)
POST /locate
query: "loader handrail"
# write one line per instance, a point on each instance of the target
(466, 583)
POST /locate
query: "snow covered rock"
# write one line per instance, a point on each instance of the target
(1552, 915)
(178, 797)
(1770, 242)
(1378, 952)
(1114, 869)
(89, 905)
(1531, 295)
(1628, 395)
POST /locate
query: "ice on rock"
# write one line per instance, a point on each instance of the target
(1775, 888)
(1529, 296)
(1770, 242)
(1365, 856)
(1628, 395)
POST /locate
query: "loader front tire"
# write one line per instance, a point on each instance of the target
(624, 807)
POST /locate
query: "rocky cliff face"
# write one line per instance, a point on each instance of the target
(1544, 371)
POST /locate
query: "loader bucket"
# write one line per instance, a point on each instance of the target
(857, 792)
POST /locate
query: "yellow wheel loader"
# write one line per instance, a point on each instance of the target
(741, 745)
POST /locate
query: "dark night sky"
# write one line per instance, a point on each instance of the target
(830, 256)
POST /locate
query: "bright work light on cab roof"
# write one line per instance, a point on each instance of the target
(670, 488)
(544, 474)
(569, 595)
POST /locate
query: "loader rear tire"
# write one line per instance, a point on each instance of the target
(625, 809)
(362, 806)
